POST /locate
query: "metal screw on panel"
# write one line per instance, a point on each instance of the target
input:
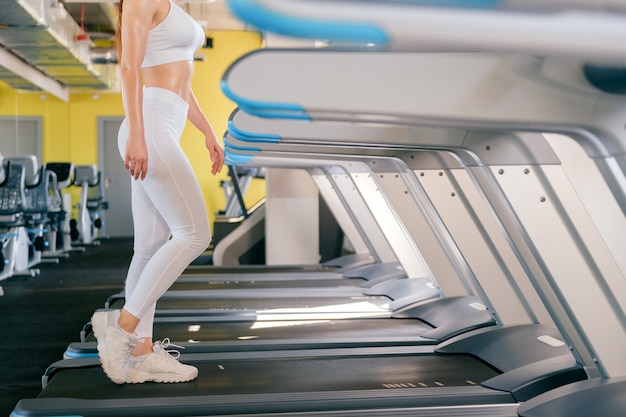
(542, 199)
(500, 171)
(527, 171)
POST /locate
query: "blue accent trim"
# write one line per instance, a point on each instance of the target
(249, 11)
(252, 137)
(276, 115)
(14, 414)
(72, 355)
(236, 159)
(227, 144)
(252, 106)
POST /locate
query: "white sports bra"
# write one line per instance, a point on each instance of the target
(174, 39)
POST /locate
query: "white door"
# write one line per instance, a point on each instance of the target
(118, 220)
(20, 136)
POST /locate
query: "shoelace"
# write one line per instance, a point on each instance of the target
(165, 343)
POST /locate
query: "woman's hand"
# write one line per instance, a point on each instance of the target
(136, 159)
(216, 154)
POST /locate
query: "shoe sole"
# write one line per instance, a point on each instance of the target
(141, 377)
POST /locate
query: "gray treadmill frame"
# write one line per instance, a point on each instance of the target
(542, 29)
(566, 106)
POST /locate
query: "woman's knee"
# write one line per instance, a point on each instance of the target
(197, 236)
(202, 236)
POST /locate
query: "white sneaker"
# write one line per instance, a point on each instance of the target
(114, 344)
(159, 366)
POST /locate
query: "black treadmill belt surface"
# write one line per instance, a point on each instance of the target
(328, 330)
(332, 304)
(243, 336)
(216, 269)
(250, 284)
(285, 375)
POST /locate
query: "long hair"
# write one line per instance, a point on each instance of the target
(118, 32)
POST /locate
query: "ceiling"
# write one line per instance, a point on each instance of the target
(101, 18)
(42, 47)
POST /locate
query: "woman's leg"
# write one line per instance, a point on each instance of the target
(173, 190)
(150, 233)
(170, 195)
(173, 203)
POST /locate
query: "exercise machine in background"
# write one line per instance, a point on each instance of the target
(86, 229)
(250, 244)
(59, 241)
(24, 205)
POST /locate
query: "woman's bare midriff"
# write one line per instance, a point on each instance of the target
(175, 76)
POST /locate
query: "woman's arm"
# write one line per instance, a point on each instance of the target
(199, 120)
(137, 18)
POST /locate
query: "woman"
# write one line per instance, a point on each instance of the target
(156, 42)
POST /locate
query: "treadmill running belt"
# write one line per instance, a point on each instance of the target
(354, 329)
(286, 375)
(241, 336)
(233, 283)
(330, 304)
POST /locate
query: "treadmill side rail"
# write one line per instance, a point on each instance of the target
(604, 397)
(533, 359)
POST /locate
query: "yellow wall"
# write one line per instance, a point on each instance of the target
(70, 130)
(227, 47)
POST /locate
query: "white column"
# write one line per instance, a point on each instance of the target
(292, 219)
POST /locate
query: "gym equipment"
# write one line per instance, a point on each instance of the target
(489, 369)
(60, 242)
(595, 127)
(15, 243)
(35, 206)
(539, 29)
(430, 322)
(84, 230)
(26, 201)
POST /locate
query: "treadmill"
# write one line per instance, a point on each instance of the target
(354, 283)
(568, 106)
(427, 323)
(489, 369)
(377, 403)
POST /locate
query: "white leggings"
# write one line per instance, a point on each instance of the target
(168, 202)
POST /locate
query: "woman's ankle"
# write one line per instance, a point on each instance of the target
(127, 322)
(143, 347)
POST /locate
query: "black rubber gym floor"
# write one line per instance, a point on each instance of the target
(40, 316)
